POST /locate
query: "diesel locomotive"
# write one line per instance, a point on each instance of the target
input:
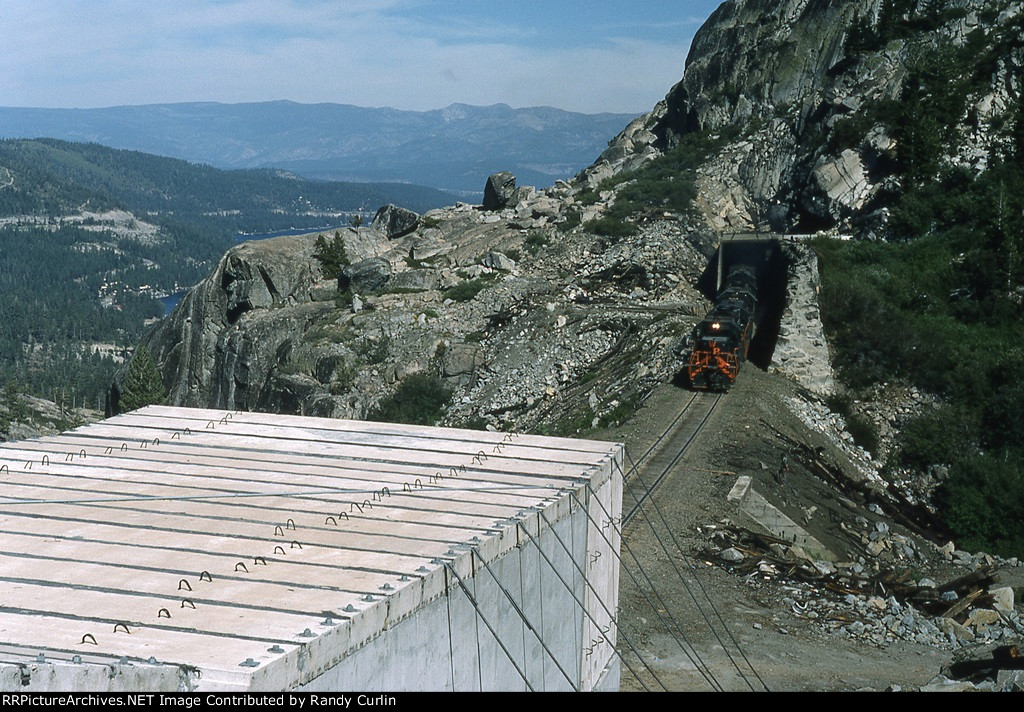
(719, 343)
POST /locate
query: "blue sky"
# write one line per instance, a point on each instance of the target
(408, 54)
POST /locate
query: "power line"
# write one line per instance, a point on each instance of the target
(480, 613)
(590, 616)
(526, 622)
(690, 653)
(700, 585)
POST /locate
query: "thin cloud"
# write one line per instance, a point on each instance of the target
(89, 53)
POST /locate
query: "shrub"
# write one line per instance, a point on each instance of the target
(571, 222)
(331, 255)
(536, 240)
(863, 431)
(420, 399)
(465, 291)
(142, 384)
(372, 351)
(344, 376)
(981, 502)
(610, 226)
(940, 437)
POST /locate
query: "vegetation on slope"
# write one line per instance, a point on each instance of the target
(77, 292)
(420, 399)
(940, 306)
(665, 184)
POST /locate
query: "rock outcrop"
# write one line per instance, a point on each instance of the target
(781, 86)
(211, 350)
(499, 190)
(801, 350)
(395, 221)
(496, 303)
(516, 302)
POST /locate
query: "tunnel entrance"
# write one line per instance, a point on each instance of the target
(763, 252)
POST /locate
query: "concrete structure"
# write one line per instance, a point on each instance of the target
(754, 248)
(174, 548)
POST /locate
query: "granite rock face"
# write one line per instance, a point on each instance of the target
(498, 190)
(778, 81)
(395, 221)
(218, 343)
(772, 83)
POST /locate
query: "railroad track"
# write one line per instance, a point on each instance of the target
(670, 446)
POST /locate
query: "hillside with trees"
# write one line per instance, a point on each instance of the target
(92, 237)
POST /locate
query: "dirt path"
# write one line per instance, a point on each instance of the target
(788, 652)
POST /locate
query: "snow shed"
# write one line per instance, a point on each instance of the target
(189, 549)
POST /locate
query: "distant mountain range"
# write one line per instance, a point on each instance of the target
(454, 148)
(53, 177)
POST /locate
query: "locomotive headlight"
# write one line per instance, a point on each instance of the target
(716, 326)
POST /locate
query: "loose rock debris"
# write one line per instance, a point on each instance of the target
(854, 600)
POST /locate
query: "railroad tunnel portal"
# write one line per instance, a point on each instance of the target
(763, 252)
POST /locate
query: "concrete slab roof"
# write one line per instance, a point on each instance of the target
(229, 542)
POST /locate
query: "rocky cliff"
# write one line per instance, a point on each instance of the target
(531, 310)
(508, 309)
(802, 90)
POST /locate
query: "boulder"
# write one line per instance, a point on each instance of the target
(461, 359)
(498, 261)
(365, 276)
(981, 617)
(843, 182)
(414, 280)
(951, 627)
(1003, 599)
(732, 554)
(499, 190)
(394, 221)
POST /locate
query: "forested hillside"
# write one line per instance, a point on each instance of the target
(50, 177)
(90, 237)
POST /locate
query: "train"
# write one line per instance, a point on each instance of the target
(719, 343)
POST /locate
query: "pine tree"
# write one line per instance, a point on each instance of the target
(142, 383)
(332, 257)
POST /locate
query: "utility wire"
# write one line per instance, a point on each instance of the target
(691, 653)
(697, 580)
(526, 622)
(590, 616)
(480, 613)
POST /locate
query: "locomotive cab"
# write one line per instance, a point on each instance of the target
(715, 359)
(719, 343)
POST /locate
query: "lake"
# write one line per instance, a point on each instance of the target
(287, 233)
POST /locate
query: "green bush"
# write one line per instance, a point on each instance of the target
(935, 306)
(143, 384)
(863, 431)
(571, 222)
(610, 226)
(373, 351)
(465, 291)
(344, 377)
(536, 240)
(420, 399)
(939, 437)
(331, 255)
(982, 500)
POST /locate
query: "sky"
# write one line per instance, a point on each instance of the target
(602, 55)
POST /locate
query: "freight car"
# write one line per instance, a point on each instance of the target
(719, 343)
